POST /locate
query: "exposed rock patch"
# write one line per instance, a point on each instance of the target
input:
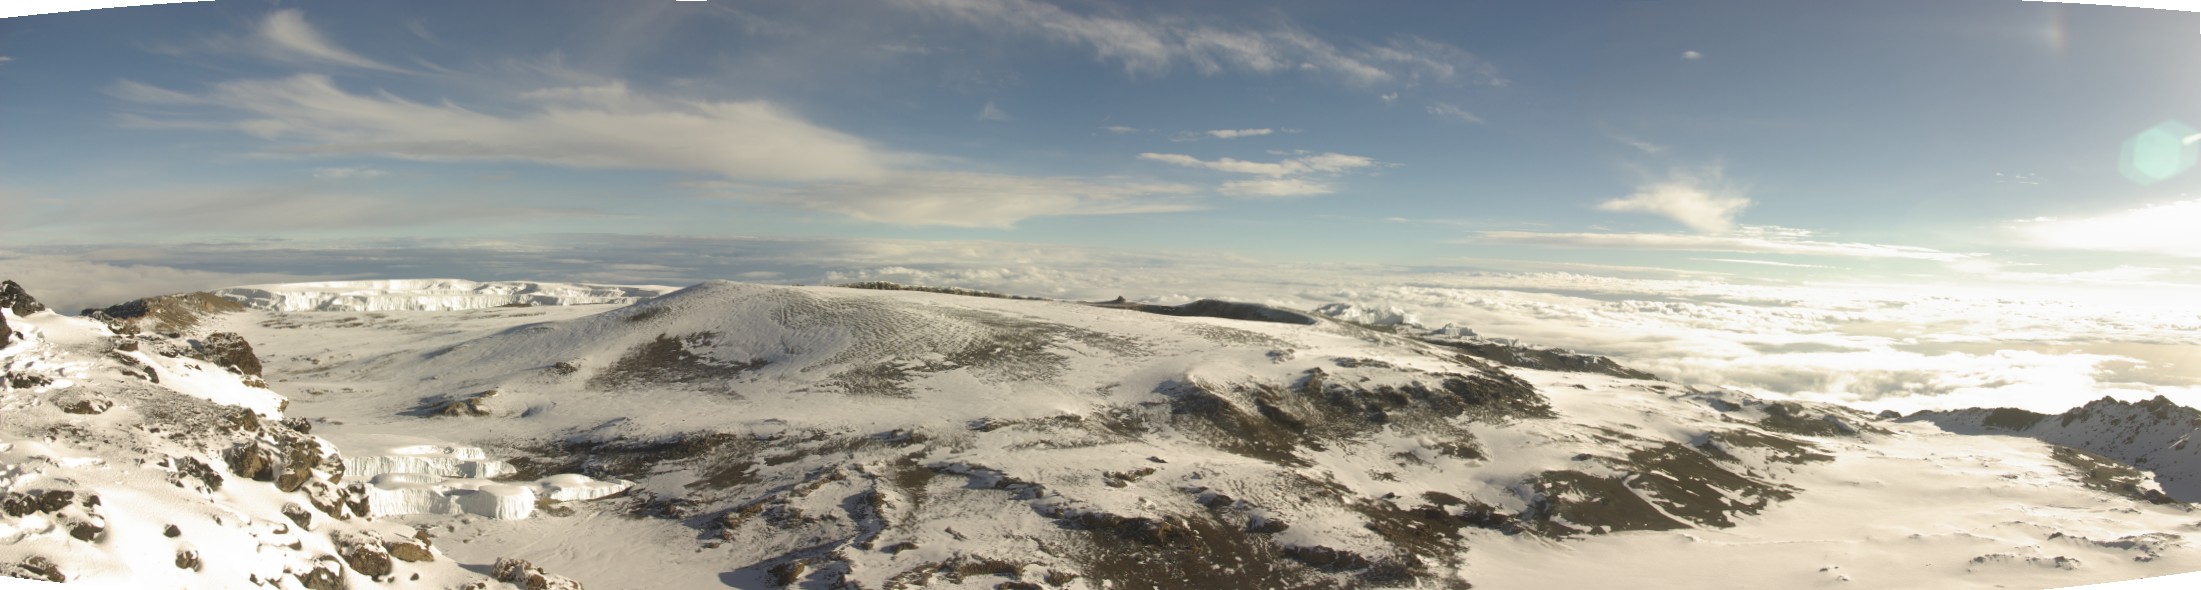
(227, 350)
(165, 314)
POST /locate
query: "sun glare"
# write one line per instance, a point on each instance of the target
(2159, 229)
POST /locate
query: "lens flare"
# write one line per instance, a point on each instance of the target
(2159, 153)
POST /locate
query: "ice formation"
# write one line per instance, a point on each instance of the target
(445, 461)
(409, 477)
(430, 295)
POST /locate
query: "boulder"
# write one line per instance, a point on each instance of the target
(364, 554)
(410, 550)
(88, 406)
(33, 568)
(188, 559)
(327, 574)
(520, 573)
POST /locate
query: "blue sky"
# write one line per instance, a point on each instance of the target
(1957, 140)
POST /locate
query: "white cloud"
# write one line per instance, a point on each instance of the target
(992, 113)
(1276, 187)
(1285, 178)
(1153, 46)
(2168, 229)
(1762, 244)
(1701, 199)
(348, 173)
(285, 36)
(1388, 97)
(1452, 112)
(1759, 262)
(1692, 54)
(5, 59)
(613, 128)
(1237, 133)
(1327, 163)
(970, 199)
(1121, 130)
(1640, 145)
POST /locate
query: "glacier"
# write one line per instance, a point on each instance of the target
(431, 295)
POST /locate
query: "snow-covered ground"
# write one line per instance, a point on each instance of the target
(737, 435)
(138, 462)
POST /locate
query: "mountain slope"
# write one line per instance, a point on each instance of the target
(817, 436)
(2154, 434)
(144, 461)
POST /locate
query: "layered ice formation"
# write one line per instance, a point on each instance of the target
(411, 477)
(443, 461)
(430, 295)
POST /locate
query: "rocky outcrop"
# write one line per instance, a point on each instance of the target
(525, 575)
(1212, 308)
(2154, 434)
(166, 314)
(476, 405)
(228, 350)
(13, 297)
(1512, 354)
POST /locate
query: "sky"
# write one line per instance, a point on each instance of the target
(1957, 140)
(1877, 202)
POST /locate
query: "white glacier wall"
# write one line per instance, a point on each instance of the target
(408, 476)
(496, 500)
(447, 461)
(431, 295)
(574, 487)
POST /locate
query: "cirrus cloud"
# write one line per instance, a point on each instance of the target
(308, 114)
(972, 199)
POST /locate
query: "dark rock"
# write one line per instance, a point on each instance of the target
(187, 559)
(27, 380)
(194, 468)
(365, 555)
(302, 425)
(34, 568)
(87, 531)
(89, 406)
(325, 575)
(229, 350)
(297, 513)
(476, 405)
(171, 532)
(409, 550)
(55, 500)
(15, 299)
(166, 314)
(525, 575)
